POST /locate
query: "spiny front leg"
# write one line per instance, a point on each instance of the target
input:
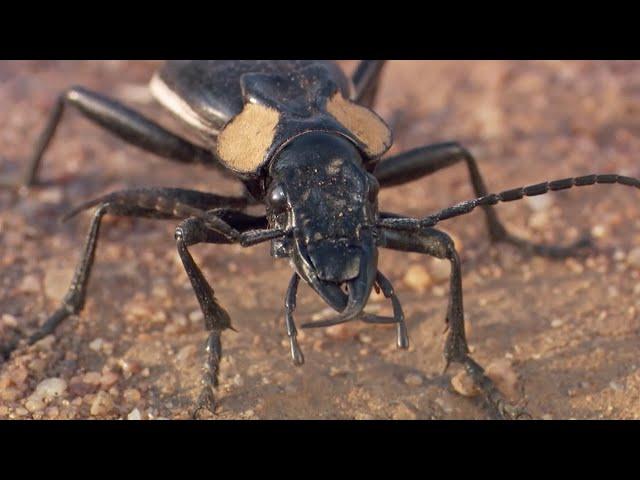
(438, 244)
(216, 319)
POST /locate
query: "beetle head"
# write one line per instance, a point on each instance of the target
(321, 192)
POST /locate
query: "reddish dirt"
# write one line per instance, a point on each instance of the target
(569, 329)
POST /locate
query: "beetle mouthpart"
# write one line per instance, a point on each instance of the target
(334, 261)
(359, 289)
(331, 293)
(356, 302)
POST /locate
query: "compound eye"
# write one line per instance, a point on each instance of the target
(277, 198)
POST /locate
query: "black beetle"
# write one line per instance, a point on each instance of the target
(301, 137)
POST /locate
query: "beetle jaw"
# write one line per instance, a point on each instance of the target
(346, 268)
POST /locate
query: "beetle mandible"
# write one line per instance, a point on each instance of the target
(302, 138)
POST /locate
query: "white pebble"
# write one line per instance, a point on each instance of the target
(539, 202)
(134, 415)
(96, 345)
(413, 379)
(616, 386)
(599, 231)
(51, 388)
(9, 320)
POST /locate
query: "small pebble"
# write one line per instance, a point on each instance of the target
(440, 270)
(34, 404)
(92, 378)
(504, 376)
(96, 345)
(186, 353)
(323, 314)
(616, 386)
(539, 220)
(102, 404)
(336, 372)
(376, 297)
(51, 388)
(108, 380)
(9, 394)
(9, 320)
(413, 379)
(79, 388)
(196, 316)
(402, 412)
(464, 385)
(444, 404)
(557, 323)
(50, 195)
(22, 412)
(131, 395)
(633, 258)
(128, 367)
(29, 284)
(417, 278)
(56, 282)
(134, 415)
(45, 343)
(539, 203)
(599, 231)
(344, 331)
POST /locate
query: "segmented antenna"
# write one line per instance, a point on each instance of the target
(463, 208)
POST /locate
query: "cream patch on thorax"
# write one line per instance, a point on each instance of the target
(245, 140)
(363, 123)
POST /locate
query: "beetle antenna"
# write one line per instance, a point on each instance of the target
(463, 208)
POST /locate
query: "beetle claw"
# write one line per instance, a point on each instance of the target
(297, 356)
(206, 401)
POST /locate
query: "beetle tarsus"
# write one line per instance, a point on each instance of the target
(211, 372)
(498, 406)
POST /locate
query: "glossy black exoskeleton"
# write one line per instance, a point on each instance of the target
(302, 139)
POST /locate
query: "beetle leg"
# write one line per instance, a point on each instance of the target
(290, 305)
(438, 244)
(159, 203)
(119, 120)
(190, 232)
(366, 79)
(424, 161)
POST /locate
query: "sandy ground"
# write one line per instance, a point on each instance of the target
(568, 330)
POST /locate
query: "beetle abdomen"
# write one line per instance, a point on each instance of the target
(207, 93)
